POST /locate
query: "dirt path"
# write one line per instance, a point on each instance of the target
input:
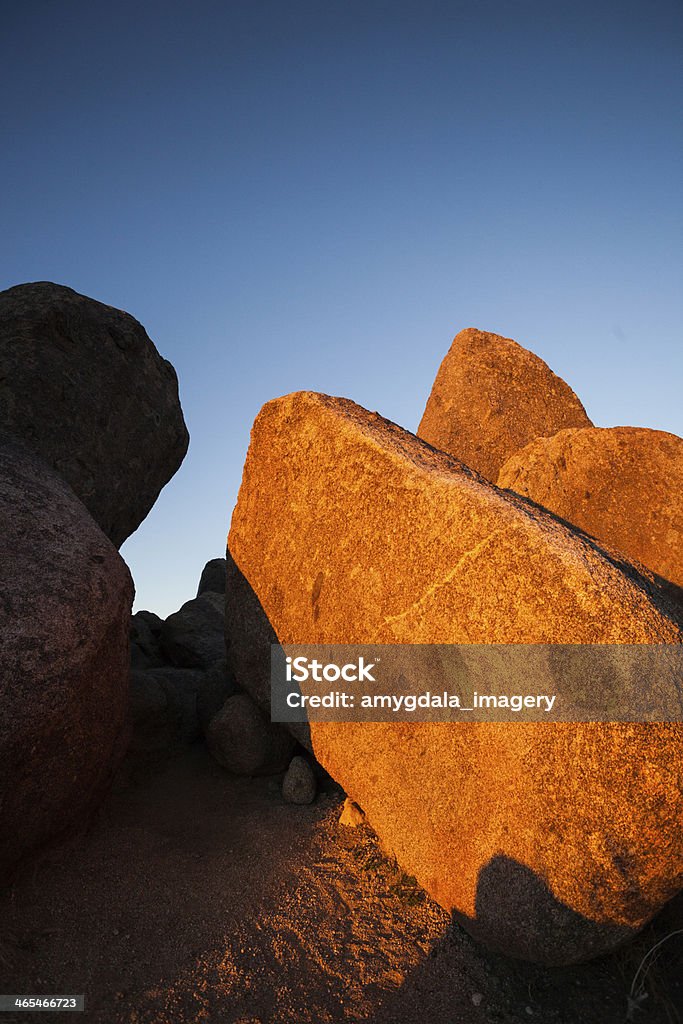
(196, 896)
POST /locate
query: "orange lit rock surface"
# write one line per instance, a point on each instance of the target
(551, 842)
(623, 485)
(491, 397)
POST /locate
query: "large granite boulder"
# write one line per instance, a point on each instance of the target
(64, 617)
(491, 397)
(193, 637)
(552, 842)
(623, 485)
(82, 384)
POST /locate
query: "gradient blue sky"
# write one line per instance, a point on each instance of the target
(321, 194)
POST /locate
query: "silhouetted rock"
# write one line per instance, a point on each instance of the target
(84, 386)
(242, 739)
(64, 616)
(145, 631)
(213, 577)
(298, 785)
(217, 685)
(623, 485)
(373, 536)
(491, 397)
(194, 636)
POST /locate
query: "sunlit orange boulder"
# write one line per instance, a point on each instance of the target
(623, 485)
(550, 842)
(491, 397)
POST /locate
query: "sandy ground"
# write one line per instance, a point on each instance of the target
(198, 896)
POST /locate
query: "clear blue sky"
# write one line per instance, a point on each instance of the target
(321, 194)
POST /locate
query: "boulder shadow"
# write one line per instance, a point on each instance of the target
(477, 972)
(249, 636)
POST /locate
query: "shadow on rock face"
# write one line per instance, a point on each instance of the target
(249, 635)
(460, 980)
(671, 594)
(517, 914)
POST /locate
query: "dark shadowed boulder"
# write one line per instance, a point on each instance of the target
(213, 577)
(164, 707)
(245, 742)
(298, 785)
(145, 633)
(83, 385)
(350, 530)
(193, 637)
(623, 485)
(218, 683)
(150, 725)
(491, 397)
(65, 599)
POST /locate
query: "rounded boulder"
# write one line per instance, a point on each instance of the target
(64, 622)
(84, 387)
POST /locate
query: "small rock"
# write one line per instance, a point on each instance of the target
(351, 814)
(298, 785)
(477, 998)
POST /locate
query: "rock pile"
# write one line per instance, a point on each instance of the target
(550, 842)
(179, 675)
(90, 430)
(509, 520)
(182, 688)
